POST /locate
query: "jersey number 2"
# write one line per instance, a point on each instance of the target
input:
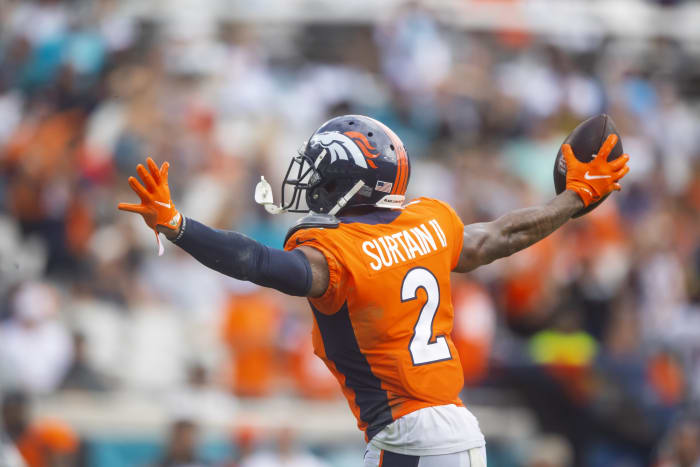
(424, 347)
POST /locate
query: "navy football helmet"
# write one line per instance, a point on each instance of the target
(351, 160)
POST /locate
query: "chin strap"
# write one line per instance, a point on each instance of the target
(344, 200)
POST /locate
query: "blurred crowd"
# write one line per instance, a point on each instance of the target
(596, 329)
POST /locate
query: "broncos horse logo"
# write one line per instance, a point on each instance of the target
(350, 144)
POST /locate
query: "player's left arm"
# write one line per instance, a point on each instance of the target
(301, 272)
(487, 241)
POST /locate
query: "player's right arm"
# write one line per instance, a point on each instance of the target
(301, 272)
(487, 241)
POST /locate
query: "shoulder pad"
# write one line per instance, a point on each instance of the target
(313, 221)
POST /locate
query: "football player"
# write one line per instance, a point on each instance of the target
(376, 271)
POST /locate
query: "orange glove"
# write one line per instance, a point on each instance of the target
(595, 179)
(156, 206)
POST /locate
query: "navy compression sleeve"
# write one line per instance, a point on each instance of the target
(238, 256)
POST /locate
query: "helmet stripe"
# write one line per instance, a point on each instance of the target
(399, 173)
(407, 166)
(403, 165)
(401, 179)
(395, 186)
(406, 170)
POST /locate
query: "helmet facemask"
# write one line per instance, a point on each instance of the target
(311, 190)
(301, 176)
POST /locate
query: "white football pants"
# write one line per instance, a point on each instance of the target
(375, 457)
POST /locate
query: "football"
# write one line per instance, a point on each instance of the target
(585, 141)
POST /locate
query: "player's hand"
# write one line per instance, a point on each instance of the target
(597, 178)
(156, 206)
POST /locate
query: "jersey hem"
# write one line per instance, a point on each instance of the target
(424, 405)
(451, 449)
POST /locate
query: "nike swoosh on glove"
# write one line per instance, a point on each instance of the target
(595, 179)
(156, 206)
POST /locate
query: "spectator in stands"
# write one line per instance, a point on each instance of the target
(249, 330)
(566, 347)
(9, 453)
(244, 440)
(199, 399)
(549, 451)
(682, 448)
(181, 449)
(629, 410)
(473, 329)
(286, 454)
(80, 375)
(42, 443)
(35, 347)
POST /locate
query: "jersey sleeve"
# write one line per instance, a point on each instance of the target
(334, 296)
(456, 227)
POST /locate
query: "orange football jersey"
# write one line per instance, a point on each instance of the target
(383, 325)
